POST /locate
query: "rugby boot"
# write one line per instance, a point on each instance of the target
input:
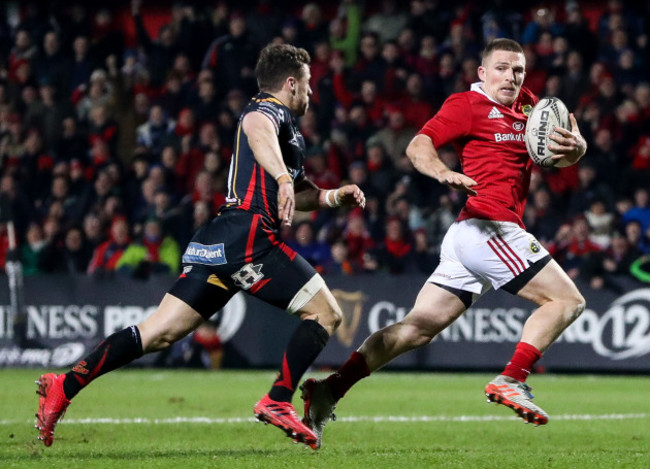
(516, 395)
(319, 406)
(283, 415)
(52, 404)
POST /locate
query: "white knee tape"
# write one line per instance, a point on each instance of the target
(306, 293)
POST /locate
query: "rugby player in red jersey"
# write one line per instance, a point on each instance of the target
(239, 250)
(487, 246)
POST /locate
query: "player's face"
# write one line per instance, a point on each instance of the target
(502, 74)
(300, 99)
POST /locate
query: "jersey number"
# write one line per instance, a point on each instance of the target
(248, 275)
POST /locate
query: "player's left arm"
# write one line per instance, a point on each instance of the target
(310, 197)
(569, 145)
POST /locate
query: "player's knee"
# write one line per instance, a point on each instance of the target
(416, 336)
(334, 318)
(577, 305)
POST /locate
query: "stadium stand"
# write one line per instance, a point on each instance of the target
(113, 113)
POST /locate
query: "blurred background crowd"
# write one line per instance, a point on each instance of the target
(117, 121)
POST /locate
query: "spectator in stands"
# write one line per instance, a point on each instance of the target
(339, 263)
(106, 255)
(612, 264)
(396, 136)
(344, 32)
(52, 64)
(580, 251)
(60, 193)
(543, 21)
(72, 143)
(640, 211)
(380, 168)
(31, 253)
(161, 53)
(313, 27)
(70, 256)
(395, 253)
(232, 58)
(370, 65)
(435, 47)
(415, 106)
(359, 243)
(82, 64)
(153, 253)
(157, 132)
(305, 243)
(99, 91)
(601, 223)
(21, 54)
(388, 22)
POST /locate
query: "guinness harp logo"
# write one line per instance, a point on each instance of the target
(351, 304)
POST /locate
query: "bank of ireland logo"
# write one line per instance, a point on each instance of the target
(623, 332)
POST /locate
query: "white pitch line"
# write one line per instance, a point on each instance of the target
(351, 419)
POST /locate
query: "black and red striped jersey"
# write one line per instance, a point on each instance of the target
(250, 187)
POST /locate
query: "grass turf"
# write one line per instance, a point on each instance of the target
(431, 434)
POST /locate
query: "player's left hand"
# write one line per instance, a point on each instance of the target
(351, 196)
(569, 145)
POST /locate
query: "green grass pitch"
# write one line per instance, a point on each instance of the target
(162, 418)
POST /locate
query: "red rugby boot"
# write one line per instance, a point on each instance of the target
(283, 415)
(52, 404)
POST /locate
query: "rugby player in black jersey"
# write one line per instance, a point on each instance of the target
(239, 250)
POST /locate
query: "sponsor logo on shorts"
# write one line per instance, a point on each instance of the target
(534, 246)
(206, 254)
(248, 275)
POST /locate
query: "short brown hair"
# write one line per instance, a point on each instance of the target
(277, 62)
(501, 43)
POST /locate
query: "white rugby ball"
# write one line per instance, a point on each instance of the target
(547, 113)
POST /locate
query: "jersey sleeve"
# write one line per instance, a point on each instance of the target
(274, 113)
(451, 122)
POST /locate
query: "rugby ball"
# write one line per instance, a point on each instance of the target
(542, 119)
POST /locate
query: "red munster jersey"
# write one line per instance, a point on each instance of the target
(489, 138)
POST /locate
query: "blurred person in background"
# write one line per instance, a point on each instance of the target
(153, 253)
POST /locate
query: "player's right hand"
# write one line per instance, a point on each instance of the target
(286, 203)
(458, 181)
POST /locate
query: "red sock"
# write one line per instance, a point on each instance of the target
(521, 363)
(352, 371)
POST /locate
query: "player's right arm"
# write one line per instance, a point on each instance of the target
(452, 122)
(263, 141)
(425, 159)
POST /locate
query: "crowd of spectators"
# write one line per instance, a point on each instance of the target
(117, 122)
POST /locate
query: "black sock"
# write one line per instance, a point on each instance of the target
(113, 352)
(304, 346)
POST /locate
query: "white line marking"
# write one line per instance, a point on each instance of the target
(351, 419)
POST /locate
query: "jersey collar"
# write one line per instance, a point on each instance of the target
(478, 87)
